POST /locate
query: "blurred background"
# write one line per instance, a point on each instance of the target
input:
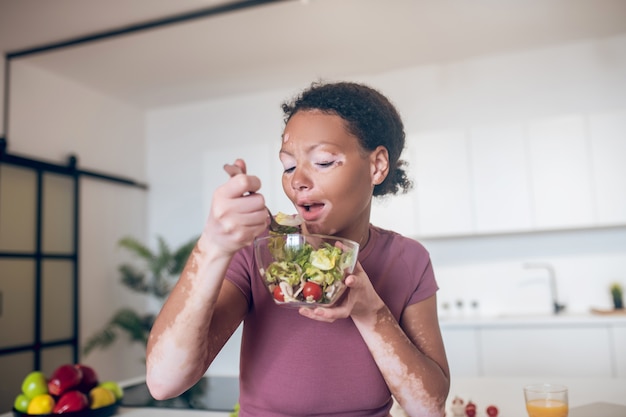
(515, 114)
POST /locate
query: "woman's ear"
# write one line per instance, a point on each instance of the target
(379, 164)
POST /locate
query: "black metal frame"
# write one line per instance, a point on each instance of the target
(71, 169)
(38, 256)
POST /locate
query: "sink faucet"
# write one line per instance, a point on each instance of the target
(556, 306)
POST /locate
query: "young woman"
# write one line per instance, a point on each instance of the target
(340, 147)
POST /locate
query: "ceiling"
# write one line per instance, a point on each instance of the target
(284, 43)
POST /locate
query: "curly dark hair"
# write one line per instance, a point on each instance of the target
(369, 116)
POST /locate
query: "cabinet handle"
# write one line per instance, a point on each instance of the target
(1, 294)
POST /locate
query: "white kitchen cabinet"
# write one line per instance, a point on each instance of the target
(560, 173)
(443, 185)
(462, 349)
(499, 172)
(619, 350)
(607, 133)
(580, 351)
(569, 346)
(565, 172)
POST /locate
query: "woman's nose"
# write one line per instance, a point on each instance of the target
(300, 179)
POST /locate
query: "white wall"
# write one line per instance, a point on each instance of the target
(587, 77)
(52, 117)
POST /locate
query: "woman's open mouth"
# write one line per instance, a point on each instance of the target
(310, 211)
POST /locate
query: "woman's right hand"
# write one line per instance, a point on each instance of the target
(238, 212)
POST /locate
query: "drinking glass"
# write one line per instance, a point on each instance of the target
(546, 400)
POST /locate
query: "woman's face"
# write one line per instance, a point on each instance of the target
(327, 174)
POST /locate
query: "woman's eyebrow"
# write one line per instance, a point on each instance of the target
(282, 152)
(314, 147)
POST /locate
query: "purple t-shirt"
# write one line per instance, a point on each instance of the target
(294, 366)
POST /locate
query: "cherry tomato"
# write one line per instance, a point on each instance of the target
(312, 290)
(492, 411)
(470, 409)
(278, 294)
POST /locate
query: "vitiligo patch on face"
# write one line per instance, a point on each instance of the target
(285, 137)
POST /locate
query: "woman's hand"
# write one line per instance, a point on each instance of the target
(360, 300)
(238, 213)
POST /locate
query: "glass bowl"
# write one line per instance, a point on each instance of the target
(305, 270)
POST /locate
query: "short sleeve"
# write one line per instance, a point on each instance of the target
(427, 285)
(238, 271)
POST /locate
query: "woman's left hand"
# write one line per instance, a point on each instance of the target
(360, 300)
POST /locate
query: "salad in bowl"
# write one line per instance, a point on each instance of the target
(305, 270)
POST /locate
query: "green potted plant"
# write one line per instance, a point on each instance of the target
(160, 271)
(617, 293)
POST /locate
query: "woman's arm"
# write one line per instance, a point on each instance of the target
(193, 325)
(203, 310)
(409, 354)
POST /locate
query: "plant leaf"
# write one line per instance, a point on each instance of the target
(133, 279)
(138, 248)
(161, 261)
(102, 339)
(159, 272)
(132, 323)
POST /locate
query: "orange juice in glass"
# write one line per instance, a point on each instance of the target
(546, 408)
(546, 400)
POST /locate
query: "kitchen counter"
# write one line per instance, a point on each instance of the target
(505, 393)
(158, 412)
(211, 393)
